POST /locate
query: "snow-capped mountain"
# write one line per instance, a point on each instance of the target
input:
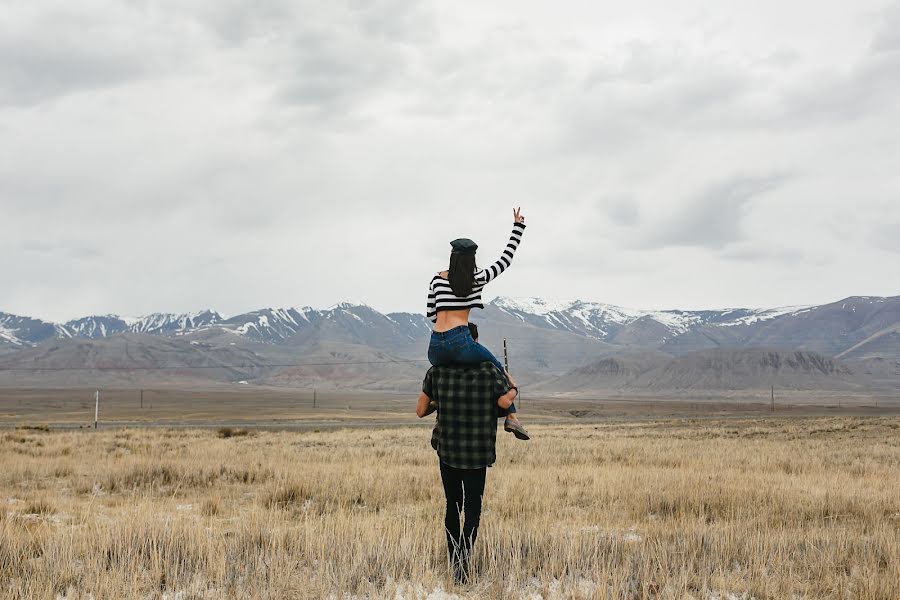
(269, 324)
(342, 322)
(356, 345)
(98, 326)
(94, 327)
(607, 321)
(346, 323)
(858, 327)
(25, 331)
(173, 323)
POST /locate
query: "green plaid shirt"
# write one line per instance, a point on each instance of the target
(466, 429)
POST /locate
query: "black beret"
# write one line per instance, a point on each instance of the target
(464, 246)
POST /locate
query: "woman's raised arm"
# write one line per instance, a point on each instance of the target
(506, 257)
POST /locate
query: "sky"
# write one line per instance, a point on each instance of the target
(177, 155)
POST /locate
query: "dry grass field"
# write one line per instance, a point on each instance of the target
(736, 508)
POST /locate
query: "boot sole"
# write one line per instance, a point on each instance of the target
(519, 434)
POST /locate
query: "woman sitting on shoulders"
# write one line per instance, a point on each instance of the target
(455, 292)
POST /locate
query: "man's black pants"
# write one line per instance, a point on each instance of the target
(463, 489)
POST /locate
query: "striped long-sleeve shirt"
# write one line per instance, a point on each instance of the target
(441, 296)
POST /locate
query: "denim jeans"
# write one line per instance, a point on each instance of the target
(456, 347)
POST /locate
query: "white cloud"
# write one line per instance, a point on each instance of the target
(174, 155)
(714, 218)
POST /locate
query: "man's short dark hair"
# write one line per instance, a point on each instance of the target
(473, 329)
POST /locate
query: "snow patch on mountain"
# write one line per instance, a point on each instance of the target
(765, 314)
(534, 306)
(243, 329)
(9, 336)
(62, 332)
(345, 306)
(284, 314)
(676, 321)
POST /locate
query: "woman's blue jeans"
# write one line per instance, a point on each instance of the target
(456, 347)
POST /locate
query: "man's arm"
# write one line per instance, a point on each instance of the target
(509, 397)
(424, 398)
(422, 405)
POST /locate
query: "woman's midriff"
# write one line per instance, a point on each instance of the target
(448, 319)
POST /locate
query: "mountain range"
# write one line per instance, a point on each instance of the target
(559, 345)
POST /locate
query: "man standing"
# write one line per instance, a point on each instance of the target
(464, 437)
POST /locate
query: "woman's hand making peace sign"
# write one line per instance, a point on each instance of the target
(518, 217)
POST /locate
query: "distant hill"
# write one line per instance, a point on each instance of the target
(744, 368)
(719, 369)
(612, 372)
(148, 358)
(336, 366)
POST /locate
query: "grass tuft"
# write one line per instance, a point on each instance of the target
(211, 507)
(38, 507)
(286, 495)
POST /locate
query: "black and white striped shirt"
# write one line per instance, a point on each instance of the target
(441, 296)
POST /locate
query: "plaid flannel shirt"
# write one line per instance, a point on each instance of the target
(466, 431)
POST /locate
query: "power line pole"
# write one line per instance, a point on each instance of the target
(314, 398)
(773, 398)
(506, 366)
(96, 407)
(142, 397)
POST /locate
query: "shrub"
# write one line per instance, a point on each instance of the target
(29, 427)
(227, 432)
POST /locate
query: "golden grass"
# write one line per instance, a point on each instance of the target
(805, 508)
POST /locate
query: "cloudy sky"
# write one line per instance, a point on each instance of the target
(172, 155)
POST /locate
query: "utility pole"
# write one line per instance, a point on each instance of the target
(773, 398)
(96, 407)
(142, 397)
(314, 398)
(506, 366)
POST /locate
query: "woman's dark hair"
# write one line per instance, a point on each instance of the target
(462, 274)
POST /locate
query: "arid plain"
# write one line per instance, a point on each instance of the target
(611, 499)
